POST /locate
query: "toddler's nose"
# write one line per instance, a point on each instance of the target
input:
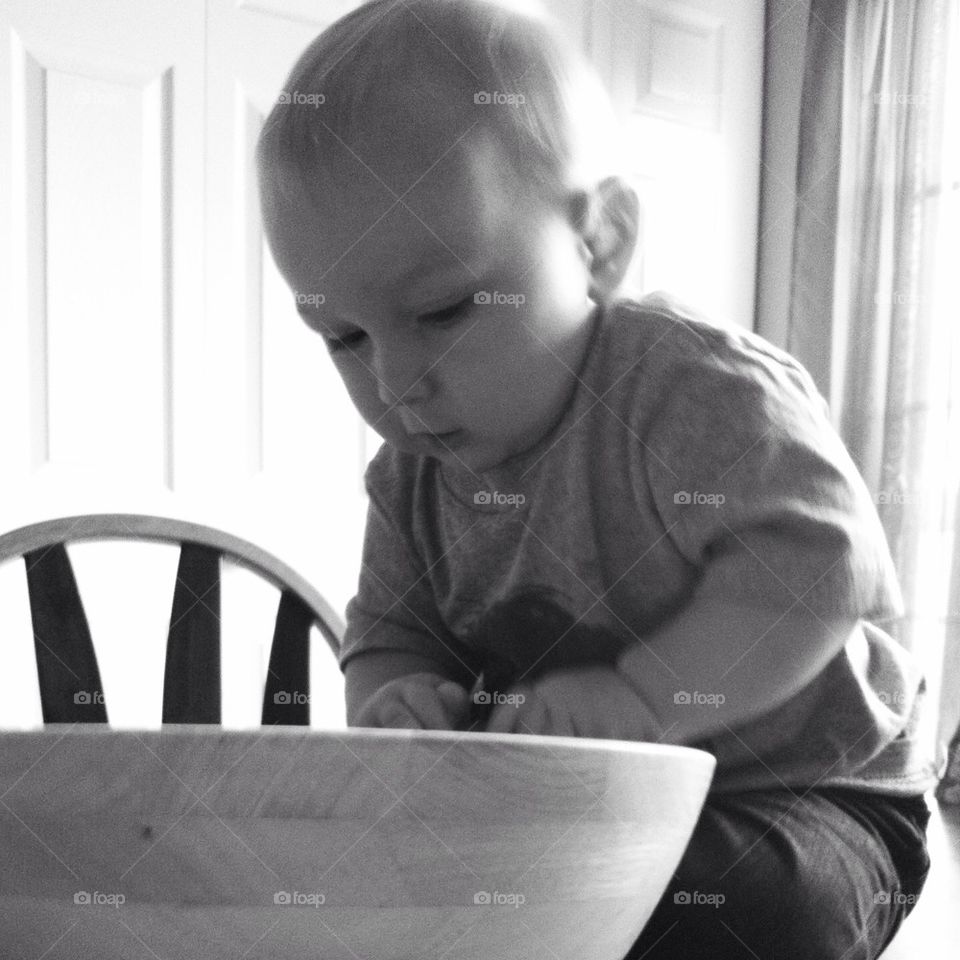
(402, 373)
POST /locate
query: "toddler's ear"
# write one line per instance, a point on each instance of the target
(607, 218)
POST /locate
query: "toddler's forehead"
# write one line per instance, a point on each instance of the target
(408, 130)
(423, 165)
(454, 206)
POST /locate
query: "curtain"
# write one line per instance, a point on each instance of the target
(875, 283)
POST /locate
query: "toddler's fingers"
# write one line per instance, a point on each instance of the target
(554, 717)
(398, 716)
(436, 703)
(558, 721)
(369, 716)
(503, 719)
(524, 714)
(455, 700)
(425, 704)
(533, 717)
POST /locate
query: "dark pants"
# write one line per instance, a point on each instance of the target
(828, 874)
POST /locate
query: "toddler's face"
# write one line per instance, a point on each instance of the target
(457, 316)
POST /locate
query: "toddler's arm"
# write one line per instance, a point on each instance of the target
(737, 662)
(402, 667)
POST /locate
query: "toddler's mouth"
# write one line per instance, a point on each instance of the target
(447, 439)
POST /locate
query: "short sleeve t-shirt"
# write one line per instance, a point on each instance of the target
(691, 459)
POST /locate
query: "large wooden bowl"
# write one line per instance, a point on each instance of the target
(200, 843)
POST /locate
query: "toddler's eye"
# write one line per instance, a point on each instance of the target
(335, 344)
(439, 317)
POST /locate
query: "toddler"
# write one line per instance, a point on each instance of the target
(592, 515)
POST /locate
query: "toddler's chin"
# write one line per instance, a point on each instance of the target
(477, 459)
(472, 456)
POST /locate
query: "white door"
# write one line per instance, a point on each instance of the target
(102, 280)
(101, 133)
(151, 360)
(686, 79)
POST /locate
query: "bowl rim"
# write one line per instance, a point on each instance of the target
(206, 731)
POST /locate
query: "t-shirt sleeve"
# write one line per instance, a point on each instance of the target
(757, 491)
(394, 607)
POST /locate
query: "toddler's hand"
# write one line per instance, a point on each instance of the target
(418, 701)
(577, 702)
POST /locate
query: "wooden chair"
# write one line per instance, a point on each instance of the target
(193, 841)
(66, 662)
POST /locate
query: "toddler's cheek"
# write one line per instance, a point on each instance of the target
(362, 388)
(378, 418)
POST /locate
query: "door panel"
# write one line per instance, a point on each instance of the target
(101, 130)
(686, 80)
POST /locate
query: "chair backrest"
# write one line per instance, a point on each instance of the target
(67, 665)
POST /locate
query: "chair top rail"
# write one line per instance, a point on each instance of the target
(125, 526)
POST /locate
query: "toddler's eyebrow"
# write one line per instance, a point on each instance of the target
(444, 266)
(311, 315)
(305, 310)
